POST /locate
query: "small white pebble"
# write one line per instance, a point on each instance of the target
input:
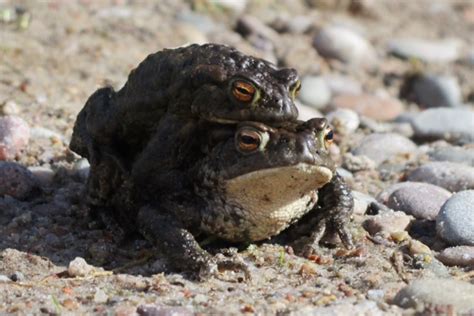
(79, 268)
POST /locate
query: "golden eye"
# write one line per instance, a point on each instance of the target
(328, 138)
(295, 89)
(248, 141)
(243, 91)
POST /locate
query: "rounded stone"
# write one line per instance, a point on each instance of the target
(383, 146)
(344, 121)
(421, 293)
(455, 125)
(44, 175)
(81, 169)
(437, 91)
(17, 181)
(457, 256)
(464, 155)
(449, 175)
(79, 268)
(340, 84)
(388, 222)
(447, 50)
(361, 202)
(455, 221)
(14, 136)
(379, 108)
(315, 92)
(343, 44)
(422, 200)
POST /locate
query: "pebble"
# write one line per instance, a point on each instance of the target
(433, 91)
(81, 169)
(17, 181)
(361, 202)
(202, 22)
(344, 121)
(457, 256)
(114, 12)
(375, 295)
(299, 24)
(17, 276)
(14, 136)
(10, 107)
(464, 155)
(100, 297)
(449, 175)
(383, 146)
(235, 7)
(128, 281)
(157, 310)
(431, 51)
(364, 307)
(44, 175)
(343, 44)
(388, 222)
(299, 55)
(315, 92)
(42, 133)
(440, 292)
(79, 268)
(416, 247)
(422, 200)
(340, 84)
(455, 221)
(454, 125)
(378, 108)
(258, 33)
(357, 163)
(190, 34)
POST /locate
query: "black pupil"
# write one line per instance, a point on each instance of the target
(243, 90)
(248, 140)
(329, 135)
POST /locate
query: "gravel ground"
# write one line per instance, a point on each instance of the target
(396, 79)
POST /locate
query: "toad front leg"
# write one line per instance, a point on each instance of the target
(329, 217)
(179, 245)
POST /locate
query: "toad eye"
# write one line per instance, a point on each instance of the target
(295, 89)
(243, 91)
(248, 140)
(328, 138)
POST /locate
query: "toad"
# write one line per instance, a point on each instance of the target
(244, 183)
(174, 94)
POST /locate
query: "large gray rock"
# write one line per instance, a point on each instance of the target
(422, 200)
(425, 293)
(440, 51)
(455, 125)
(383, 146)
(437, 91)
(449, 175)
(455, 221)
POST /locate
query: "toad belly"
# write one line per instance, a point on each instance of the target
(261, 204)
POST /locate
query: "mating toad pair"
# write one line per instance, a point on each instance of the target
(204, 141)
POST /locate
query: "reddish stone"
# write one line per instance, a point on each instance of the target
(379, 108)
(14, 136)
